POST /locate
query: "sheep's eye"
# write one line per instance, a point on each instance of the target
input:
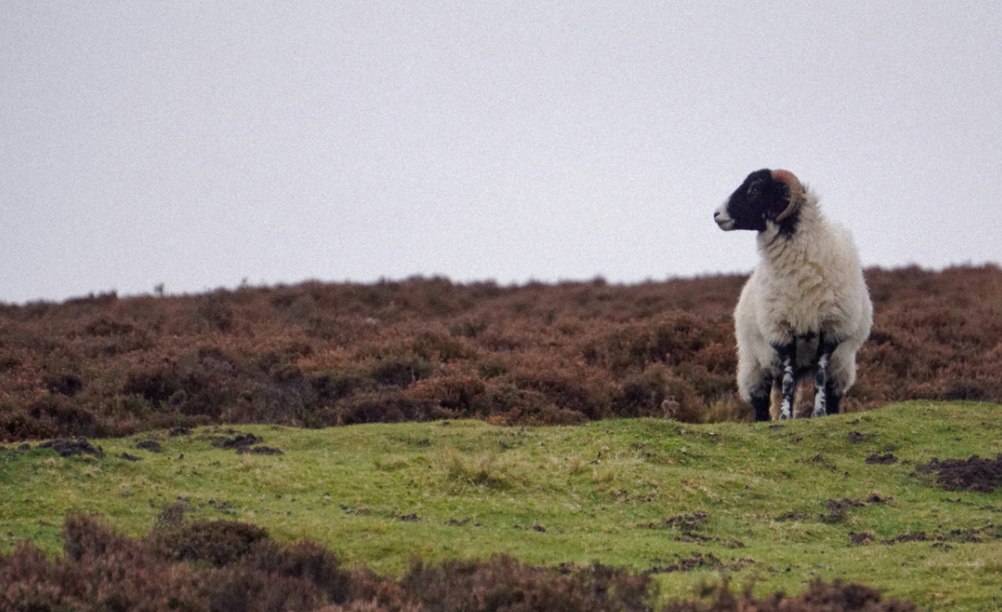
(754, 189)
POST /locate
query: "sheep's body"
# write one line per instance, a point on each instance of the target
(805, 311)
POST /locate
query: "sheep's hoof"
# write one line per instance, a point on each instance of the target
(819, 412)
(785, 416)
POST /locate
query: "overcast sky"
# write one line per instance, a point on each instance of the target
(200, 144)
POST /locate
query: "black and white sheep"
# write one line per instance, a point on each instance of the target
(806, 309)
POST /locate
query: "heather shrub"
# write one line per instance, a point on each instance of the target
(460, 394)
(214, 312)
(504, 402)
(63, 384)
(154, 386)
(657, 392)
(104, 570)
(83, 536)
(306, 561)
(218, 542)
(59, 416)
(386, 406)
(400, 371)
(505, 584)
(441, 346)
(19, 426)
(320, 354)
(567, 390)
(333, 386)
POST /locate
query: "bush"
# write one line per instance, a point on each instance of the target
(657, 392)
(325, 354)
(105, 570)
(217, 542)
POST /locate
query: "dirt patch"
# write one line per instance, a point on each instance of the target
(67, 447)
(258, 450)
(244, 443)
(791, 516)
(687, 522)
(855, 437)
(150, 445)
(356, 510)
(686, 564)
(838, 509)
(877, 498)
(918, 536)
(697, 538)
(129, 457)
(686, 526)
(695, 562)
(974, 474)
(887, 459)
(972, 535)
(820, 460)
(236, 442)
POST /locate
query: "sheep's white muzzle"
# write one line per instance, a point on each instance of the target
(723, 219)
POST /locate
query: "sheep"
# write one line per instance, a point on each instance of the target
(806, 309)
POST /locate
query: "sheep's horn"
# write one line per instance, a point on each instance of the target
(796, 192)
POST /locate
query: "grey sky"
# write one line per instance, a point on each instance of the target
(196, 143)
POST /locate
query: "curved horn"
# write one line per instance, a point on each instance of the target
(796, 192)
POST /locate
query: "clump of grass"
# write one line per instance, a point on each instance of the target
(483, 469)
(390, 464)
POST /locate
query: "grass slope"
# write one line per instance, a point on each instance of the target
(777, 504)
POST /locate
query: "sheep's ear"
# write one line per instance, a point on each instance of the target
(796, 192)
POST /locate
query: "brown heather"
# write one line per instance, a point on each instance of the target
(318, 355)
(223, 566)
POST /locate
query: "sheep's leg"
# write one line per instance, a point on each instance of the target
(787, 358)
(760, 400)
(834, 399)
(826, 400)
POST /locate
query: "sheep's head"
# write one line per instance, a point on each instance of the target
(765, 196)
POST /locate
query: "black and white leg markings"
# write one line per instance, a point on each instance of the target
(787, 358)
(825, 401)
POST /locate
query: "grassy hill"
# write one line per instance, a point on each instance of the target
(774, 504)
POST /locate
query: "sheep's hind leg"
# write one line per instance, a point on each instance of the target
(826, 400)
(760, 399)
(788, 357)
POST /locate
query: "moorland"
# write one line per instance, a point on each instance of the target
(427, 445)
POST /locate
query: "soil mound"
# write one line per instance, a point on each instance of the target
(974, 474)
(888, 459)
(69, 447)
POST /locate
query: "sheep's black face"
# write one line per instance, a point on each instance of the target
(759, 198)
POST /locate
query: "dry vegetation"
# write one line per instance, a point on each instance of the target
(230, 566)
(318, 354)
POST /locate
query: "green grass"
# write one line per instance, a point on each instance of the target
(636, 493)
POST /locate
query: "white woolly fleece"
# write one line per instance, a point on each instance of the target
(808, 282)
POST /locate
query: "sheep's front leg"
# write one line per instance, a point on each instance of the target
(826, 400)
(787, 359)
